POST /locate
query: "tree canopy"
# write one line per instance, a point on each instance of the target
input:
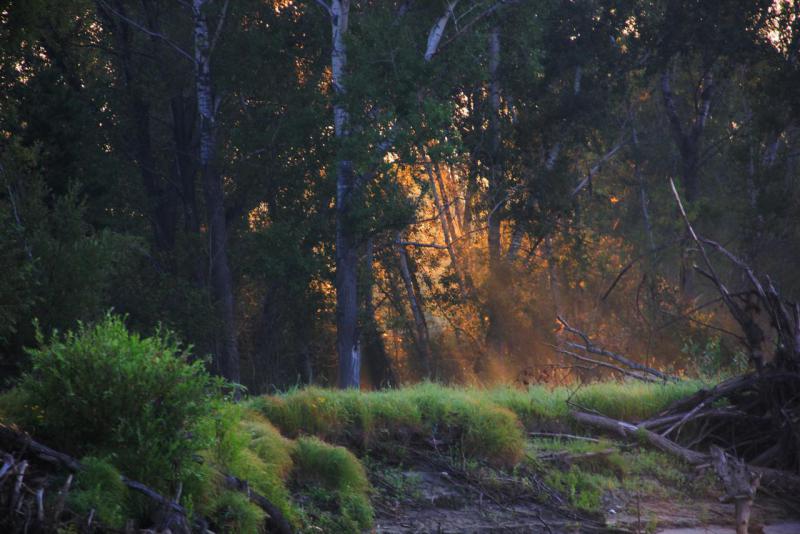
(363, 192)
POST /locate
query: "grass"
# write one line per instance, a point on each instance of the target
(464, 419)
(629, 401)
(291, 447)
(485, 424)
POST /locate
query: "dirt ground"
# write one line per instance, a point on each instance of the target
(437, 501)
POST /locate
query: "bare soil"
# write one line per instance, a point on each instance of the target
(425, 500)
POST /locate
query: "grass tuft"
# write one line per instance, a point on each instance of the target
(338, 484)
(459, 418)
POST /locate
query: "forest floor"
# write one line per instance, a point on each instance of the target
(454, 460)
(434, 495)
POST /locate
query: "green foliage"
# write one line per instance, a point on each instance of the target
(99, 487)
(103, 390)
(462, 419)
(583, 489)
(56, 266)
(233, 512)
(336, 483)
(714, 358)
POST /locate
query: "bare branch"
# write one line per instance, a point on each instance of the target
(588, 346)
(147, 31)
(220, 24)
(420, 245)
(324, 5)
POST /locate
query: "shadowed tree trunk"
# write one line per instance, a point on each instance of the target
(378, 363)
(688, 138)
(414, 301)
(494, 333)
(221, 279)
(162, 197)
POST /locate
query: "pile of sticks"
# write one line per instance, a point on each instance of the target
(747, 427)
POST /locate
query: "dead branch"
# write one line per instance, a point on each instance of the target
(777, 478)
(591, 348)
(600, 363)
(754, 335)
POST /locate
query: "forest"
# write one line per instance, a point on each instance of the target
(276, 265)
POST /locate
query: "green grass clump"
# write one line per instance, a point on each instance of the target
(337, 483)
(333, 415)
(629, 401)
(535, 405)
(466, 419)
(634, 401)
(583, 489)
(233, 512)
(99, 487)
(250, 448)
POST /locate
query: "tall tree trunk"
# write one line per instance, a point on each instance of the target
(415, 302)
(221, 278)
(347, 346)
(161, 197)
(495, 286)
(183, 111)
(446, 203)
(645, 202)
(443, 214)
(688, 139)
(375, 357)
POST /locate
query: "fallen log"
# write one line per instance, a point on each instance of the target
(627, 430)
(783, 481)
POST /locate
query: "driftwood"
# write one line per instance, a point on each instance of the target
(740, 485)
(627, 430)
(172, 517)
(569, 458)
(778, 479)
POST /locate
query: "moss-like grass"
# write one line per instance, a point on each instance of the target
(465, 419)
(483, 424)
(629, 401)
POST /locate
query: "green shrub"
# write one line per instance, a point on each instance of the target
(107, 392)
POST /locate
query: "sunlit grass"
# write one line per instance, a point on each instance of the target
(462, 418)
(629, 401)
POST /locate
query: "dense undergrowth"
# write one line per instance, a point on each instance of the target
(140, 407)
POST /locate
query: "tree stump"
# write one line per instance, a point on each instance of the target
(740, 485)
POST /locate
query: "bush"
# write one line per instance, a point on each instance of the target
(107, 392)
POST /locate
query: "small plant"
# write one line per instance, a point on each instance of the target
(714, 358)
